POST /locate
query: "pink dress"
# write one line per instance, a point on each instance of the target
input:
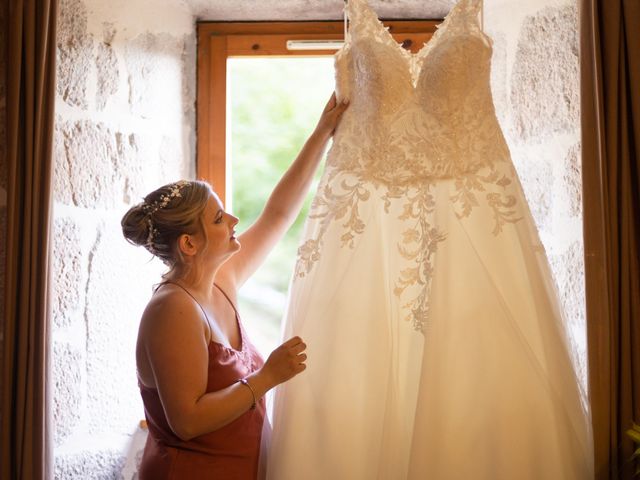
(229, 453)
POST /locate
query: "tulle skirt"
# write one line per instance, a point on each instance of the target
(474, 379)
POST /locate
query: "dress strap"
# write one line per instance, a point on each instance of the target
(228, 299)
(474, 10)
(197, 302)
(346, 20)
(356, 14)
(470, 16)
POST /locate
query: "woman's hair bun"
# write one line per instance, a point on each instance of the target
(135, 227)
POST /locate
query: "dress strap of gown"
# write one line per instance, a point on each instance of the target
(473, 12)
(346, 20)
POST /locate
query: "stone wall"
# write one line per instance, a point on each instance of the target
(125, 124)
(535, 81)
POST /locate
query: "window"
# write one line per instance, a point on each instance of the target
(257, 102)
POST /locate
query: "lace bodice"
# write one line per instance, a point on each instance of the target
(416, 116)
(415, 121)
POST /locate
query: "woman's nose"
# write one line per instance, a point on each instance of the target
(233, 219)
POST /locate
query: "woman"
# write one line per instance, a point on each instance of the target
(202, 382)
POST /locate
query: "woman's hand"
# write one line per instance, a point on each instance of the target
(331, 115)
(285, 362)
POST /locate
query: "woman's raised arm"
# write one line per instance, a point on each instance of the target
(285, 201)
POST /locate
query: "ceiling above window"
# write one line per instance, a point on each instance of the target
(263, 10)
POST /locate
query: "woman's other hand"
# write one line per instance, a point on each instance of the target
(285, 362)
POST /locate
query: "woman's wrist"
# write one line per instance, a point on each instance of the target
(246, 383)
(322, 133)
(261, 382)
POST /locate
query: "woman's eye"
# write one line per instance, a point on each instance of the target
(218, 219)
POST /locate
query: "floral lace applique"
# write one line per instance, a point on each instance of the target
(465, 198)
(328, 206)
(339, 199)
(418, 247)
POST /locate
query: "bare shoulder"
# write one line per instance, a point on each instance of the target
(171, 314)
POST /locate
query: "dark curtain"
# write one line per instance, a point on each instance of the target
(31, 53)
(610, 71)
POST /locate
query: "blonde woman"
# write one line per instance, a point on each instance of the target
(202, 381)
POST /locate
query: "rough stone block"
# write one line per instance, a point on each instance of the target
(74, 52)
(545, 80)
(135, 155)
(572, 180)
(499, 76)
(68, 365)
(88, 465)
(171, 158)
(96, 167)
(175, 160)
(155, 70)
(534, 173)
(106, 67)
(120, 281)
(62, 188)
(568, 270)
(189, 54)
(85, 172)
(134, 454)
(67, 274)
(148, 162)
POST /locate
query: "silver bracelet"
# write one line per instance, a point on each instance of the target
(244, 381)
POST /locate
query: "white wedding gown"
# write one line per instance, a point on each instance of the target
(436, 343)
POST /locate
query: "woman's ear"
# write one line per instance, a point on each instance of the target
(187, 245)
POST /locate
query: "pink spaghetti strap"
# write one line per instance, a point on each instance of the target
(228, 299)
(197, 302)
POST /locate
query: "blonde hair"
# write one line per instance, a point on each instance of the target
(165, 214)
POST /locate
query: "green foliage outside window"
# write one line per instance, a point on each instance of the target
(274, 104)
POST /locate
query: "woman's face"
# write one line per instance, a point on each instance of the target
(220, 230)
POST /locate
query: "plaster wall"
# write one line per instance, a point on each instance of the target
(125, 124)
(535, 83)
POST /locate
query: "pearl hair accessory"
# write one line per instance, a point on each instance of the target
(162, 202)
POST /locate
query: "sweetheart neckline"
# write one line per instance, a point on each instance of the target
(398, 46)
(408, 57)
(426, 46)
(414, 62)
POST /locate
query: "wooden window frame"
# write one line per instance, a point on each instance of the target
(218, 41)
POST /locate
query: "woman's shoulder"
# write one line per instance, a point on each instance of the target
(170, 309)
(168, 296)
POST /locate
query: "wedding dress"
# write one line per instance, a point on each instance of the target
(436, 344)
